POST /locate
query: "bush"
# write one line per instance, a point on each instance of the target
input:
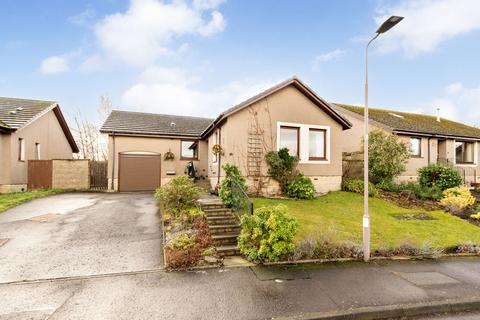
(179, 259)
(387, 156)
(357, 186)
(456, 199)
(182, 242)
(421, 192)
(283, 167)
(177, 195)
(438, 175)
(300, 187)
(229, 192)
(267, 234)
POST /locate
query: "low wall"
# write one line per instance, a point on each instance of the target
(70, 174)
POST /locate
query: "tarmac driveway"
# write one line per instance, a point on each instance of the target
(80, 234)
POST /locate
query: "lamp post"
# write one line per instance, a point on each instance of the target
(387, 25)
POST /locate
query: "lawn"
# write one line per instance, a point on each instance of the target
(339, 214)
(10, 200)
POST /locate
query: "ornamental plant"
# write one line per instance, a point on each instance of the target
(177, 195)
(282, 167)
(267, 234)
(357, 186)
(456, 199)
(439, 175)
(300, 187)
(387, 156)
(232, 186)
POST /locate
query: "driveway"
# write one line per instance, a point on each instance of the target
(80, 234)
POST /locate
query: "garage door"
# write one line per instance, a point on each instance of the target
(139, 172)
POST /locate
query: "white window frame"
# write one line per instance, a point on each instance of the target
(38, 151)
(420, 141)
(304, 143)
(21, 149)
(475, 155)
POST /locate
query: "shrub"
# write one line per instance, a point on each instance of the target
(177, 195)
(421, 192)
(233, 181)
(300, 187)
(357, 186)
(475, 216)
(326, 248)
(181, 242)
(456, 199)
(267, 234)
(387, 156)
(178, 259)
(282, 167)
(439, 175)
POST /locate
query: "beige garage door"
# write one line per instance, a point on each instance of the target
(139, 172)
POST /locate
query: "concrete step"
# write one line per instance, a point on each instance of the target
(221, 219)
(230, 250)
(223, 229)
(217, 211)
(225, 239)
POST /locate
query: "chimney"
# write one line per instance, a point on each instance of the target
(438, 115)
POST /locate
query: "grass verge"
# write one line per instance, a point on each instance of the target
(339, 214)
(10, 200)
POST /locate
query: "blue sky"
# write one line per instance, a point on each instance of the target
(199, 57)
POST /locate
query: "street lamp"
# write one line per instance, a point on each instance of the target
(387, 25)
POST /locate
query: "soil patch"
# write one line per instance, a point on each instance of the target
(409, 201)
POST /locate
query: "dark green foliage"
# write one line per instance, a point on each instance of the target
(300, 187)
(441, 176)
(420, 191)
(282, 167)
(177, 195)
(357, 186)
(268, 233)
(232, 186)
(387, 156)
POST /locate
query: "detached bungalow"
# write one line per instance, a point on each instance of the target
(141, 146)
(30, 130)
(431, 139)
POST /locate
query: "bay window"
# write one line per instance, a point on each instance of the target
(290, 139)
(317, 144)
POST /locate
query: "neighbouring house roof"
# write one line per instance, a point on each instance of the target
(17, 113)
(405, 122)
(140, 123)
(294, 81)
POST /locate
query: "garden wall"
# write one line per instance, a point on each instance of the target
(70, 174)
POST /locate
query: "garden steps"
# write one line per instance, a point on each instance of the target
(228, 250)
(223, 226)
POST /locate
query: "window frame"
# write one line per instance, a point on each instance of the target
(419, 155)
(21, 150)
(195, 156)
(324, 145)
(298, 136)
(464, 143)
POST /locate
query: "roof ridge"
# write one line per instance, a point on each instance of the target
(23, 99)
(162, 114)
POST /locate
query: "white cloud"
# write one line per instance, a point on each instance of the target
(459, 103)
(54, 65)
(93, 63)
(427, 24)
(84, 18)
(328, 56)
(144, 32)
(173, 91)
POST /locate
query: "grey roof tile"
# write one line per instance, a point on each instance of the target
(154, 124)
(15, 113)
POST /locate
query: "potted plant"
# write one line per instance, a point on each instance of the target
(169, 156)
(217, 149)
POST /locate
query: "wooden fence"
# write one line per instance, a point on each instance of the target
(98, 175)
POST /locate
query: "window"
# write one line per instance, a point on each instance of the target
(416, 147)
(37, 151)
(189, 150)
(289, 138)
(21, 149)
(464, 152)
(317, 144)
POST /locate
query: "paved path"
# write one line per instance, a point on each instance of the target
(80, 234)
(242, 293)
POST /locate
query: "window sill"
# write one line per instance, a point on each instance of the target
(189, 159)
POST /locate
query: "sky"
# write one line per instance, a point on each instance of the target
(200, 57)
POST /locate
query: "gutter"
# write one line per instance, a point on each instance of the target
(434, 135)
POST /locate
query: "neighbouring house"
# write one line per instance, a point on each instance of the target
(30, 130)
(432, 139)
(290, 114)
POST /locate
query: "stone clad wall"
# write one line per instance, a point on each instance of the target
(71, 174)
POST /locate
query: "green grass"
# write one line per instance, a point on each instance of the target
(339, 214)
(10, 200)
